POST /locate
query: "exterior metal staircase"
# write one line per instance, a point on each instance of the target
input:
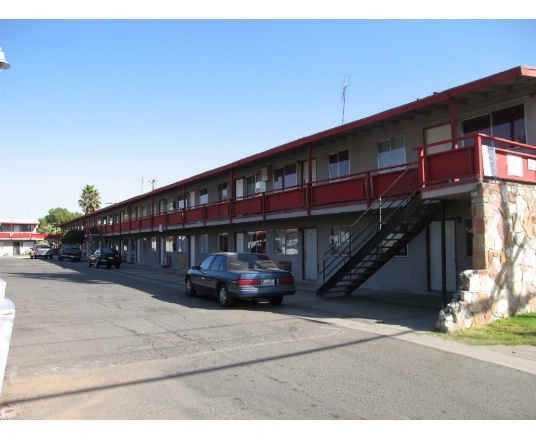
(379, 234)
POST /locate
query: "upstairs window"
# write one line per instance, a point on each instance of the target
(391, 152)
(203, 196)
(285, 177)
(339, 164)
(254, 185)
(508, 123)
(181, 202)
(222, 192)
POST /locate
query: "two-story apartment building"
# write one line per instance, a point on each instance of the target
(433, 197)
(18, 236)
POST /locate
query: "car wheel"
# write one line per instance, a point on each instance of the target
(108, 266)
(89, 263)
(190, 291)
(226, 300)
(97, 264)
(276, 300)
(117, 266)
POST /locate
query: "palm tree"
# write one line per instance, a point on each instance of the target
(90, 199)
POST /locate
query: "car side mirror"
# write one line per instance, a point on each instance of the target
(195, 267)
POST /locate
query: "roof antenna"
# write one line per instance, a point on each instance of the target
(344, 96)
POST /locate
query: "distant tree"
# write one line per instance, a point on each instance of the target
(89, 199)
(73, 236)
(48, 224)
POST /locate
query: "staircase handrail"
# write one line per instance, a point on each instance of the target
(368, 224)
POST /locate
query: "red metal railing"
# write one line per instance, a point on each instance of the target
(474, 157)
(466, 159)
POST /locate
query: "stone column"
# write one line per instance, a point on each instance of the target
(502, 282)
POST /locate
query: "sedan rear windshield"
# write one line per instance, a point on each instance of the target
(250, 261)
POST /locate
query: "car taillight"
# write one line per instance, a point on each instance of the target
(286, 280)
(241, 282)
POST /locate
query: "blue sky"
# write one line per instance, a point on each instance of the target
(118, 103)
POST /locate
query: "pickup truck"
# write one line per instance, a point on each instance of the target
(69, 252)
(41, 251)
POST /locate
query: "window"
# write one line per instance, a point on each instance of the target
(153, 244)
(223, 242)
(170, 205)
(469, 237)
(508, 123)
(339, 164)
(132, 245)
(205, 264)
(144, 244)
(218, 263)
(181, 202)
(203, 196)
(257, 242)
(170, 245)
(391, 152)
(222, 192)
(339, 239)
(286, 242)
(162, 206)
(285, 177)
(203, 244)
(182, 243)
(254, 185)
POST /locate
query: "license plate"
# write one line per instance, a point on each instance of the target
(268, 282)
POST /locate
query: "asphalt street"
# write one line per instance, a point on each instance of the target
(128, 344)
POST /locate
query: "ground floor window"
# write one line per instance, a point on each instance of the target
(182, 243)
(257, 242)
(153, 244)
(223, 241)
(203, 244)
(339, 239)
(170, 245)
(286, 241)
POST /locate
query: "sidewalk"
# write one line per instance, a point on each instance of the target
(401, 315)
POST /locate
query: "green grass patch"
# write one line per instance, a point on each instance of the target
(515, 330)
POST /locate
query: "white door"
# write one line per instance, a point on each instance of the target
(310, 254)
(239, 242)
(239, 188)
(191, 199)
(437, 134)
(436, 277)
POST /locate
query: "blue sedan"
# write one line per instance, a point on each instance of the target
(230, 275)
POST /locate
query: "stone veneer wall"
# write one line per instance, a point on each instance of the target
(503, 281)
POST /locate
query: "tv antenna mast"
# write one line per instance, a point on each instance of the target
(344, 96)
(152, 182)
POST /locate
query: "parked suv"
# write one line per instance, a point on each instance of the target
(41, 251)
(70, 252)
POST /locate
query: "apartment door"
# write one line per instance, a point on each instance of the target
(438, 134)
(436, 277)
(192, 251)
(310, 254)
(239, 188)
(239, 242)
